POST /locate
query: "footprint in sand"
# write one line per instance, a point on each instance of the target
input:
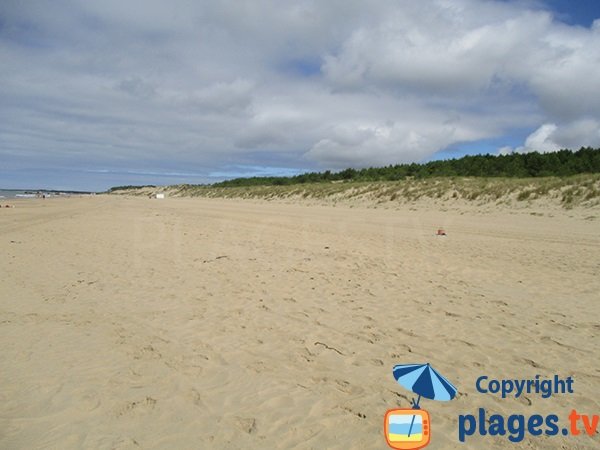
(532, 363)
(196, 398)
(145, 405)
(358, 414)
(246, 424)
(124, 444)
(525, 400)
(88, 403)
(404, 347)
(147, 352)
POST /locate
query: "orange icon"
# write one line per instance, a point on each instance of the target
(407, 428)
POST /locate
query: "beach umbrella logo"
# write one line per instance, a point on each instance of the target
(410, 428)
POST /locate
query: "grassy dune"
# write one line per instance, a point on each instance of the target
(568, 192)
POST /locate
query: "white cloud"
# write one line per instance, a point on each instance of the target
(146, 85)
(350, 145)
(550, 137)
(461, 49)
(542, 139)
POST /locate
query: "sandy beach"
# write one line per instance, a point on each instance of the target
(131, 323)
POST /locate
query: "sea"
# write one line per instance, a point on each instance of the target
(30, 193)
(14, 193)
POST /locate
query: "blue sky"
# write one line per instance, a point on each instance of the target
(97, 94)
(575, 12)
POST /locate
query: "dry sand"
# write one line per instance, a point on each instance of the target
(131, 323)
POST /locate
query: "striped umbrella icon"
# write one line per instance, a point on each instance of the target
(425, 381)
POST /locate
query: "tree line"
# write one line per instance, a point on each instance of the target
(130, 187)
(518, 165)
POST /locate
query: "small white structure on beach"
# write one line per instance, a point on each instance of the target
(160, 195)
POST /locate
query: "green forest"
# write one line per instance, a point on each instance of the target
(130, 187)
(517, 165)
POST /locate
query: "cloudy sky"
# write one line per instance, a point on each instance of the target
(101, 93)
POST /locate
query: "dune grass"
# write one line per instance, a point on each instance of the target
(577, 190)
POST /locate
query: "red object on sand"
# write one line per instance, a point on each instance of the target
(441, 232)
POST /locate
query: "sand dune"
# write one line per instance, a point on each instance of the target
(132, 323)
